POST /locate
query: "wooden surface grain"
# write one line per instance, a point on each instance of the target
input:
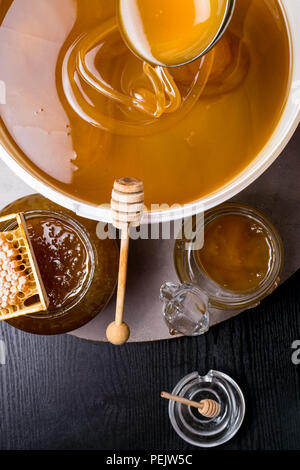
(65, 393)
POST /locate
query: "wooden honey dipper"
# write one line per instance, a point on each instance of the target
(127, 204)
(208, 408)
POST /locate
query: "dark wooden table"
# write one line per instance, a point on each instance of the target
(65, 393)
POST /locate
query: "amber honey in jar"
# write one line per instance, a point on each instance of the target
(241, 258)
(236, 252)
(79, 271)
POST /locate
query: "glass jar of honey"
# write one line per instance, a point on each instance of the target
(240, 261)
(79, 271)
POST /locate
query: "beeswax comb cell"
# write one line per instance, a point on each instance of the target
(21, 287)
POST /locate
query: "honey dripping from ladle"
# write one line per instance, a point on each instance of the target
(148, 89)
(142, 95)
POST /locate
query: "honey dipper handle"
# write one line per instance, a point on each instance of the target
(208, 408)
(122, 276)
(184, 401)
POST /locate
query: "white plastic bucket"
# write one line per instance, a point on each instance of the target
(282, 134)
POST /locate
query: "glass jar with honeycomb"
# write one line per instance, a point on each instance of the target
(79, 271)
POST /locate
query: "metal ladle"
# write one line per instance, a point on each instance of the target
(226, 20)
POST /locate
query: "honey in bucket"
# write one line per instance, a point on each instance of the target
(81, 109)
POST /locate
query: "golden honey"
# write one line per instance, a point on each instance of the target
(82, 110)
(62, 259)
(170, 32)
